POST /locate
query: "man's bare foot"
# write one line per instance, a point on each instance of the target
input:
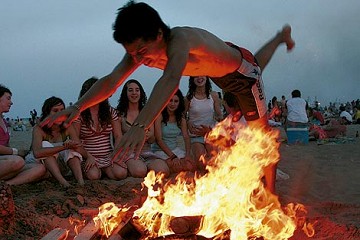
(286, 36)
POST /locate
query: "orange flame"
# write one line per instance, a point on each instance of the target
(78, 224)
(109, 217)
(231, 196)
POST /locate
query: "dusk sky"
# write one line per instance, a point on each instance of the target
(48, 48)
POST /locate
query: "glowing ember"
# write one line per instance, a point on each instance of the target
(230, 197)
(78, 224)
(109, 217)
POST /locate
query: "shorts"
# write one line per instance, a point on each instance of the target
(64, 155)
(145, 156)
(199, 139)
(247, 86)
(177, 151)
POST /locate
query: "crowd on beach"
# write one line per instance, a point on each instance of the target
(323, 122)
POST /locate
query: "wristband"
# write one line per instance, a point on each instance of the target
(15, 151)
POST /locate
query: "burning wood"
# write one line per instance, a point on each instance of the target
(56, 234)
(88, 232)
(186, 225)
(130, 231)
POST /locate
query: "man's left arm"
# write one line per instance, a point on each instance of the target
(177, 53)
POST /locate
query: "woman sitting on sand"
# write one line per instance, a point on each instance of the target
(132, 100)
(12, 166)
(56, 147)
(168, 126)
(96, 128)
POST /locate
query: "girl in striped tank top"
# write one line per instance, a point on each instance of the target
(98, 128)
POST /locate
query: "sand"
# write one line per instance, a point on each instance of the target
(325, 178)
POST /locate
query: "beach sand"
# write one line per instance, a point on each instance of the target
(324, 178)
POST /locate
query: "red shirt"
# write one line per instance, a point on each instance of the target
(317, 115)
(4, 136)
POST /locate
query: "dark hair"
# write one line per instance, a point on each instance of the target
(104, 106)
(46, 109)
(179, 112)
(296, 93)
(138, 21)
(192, 88)
(123, 103)
(4, 90)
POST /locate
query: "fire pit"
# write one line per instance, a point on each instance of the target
(228, 202)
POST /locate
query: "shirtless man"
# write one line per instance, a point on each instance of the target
(178, 51)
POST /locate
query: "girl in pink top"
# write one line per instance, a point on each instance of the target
(12, 166)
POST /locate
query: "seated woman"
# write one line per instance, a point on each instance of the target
(316, 117)
(96, 128)
(57, 147)
(275, 113)
(203, 110)
(132, 100)
(168, 126)
(12, 166)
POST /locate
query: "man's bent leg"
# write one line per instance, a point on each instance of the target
(265, 53)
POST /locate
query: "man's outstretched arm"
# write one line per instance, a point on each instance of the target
(165, 87)
(100, 91)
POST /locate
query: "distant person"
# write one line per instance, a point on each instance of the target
(296, 111)
(179, 51)
(58, 148)
(345, 116)
(316, 116)
(19, 125)
(12, 165)
(98, 129)
(356, 116)
(333, 129)
(283, 109)
(275, 113)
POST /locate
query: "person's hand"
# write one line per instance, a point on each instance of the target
(71, 144)
(89, 163)
(202, 130)
(132, 142)
(191, 128)
(68, 115)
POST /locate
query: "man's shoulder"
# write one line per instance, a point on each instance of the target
(189, 31)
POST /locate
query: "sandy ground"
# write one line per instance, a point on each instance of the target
(325, 178)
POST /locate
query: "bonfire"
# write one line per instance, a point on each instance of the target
(229, 201)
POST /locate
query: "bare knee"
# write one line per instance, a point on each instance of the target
(16, 163)
(93, 174)
(137, 168)
(120, 174)
(159, 166)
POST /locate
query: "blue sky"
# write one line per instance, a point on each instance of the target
(48, 48)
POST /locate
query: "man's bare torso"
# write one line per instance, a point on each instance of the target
(208, 55)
